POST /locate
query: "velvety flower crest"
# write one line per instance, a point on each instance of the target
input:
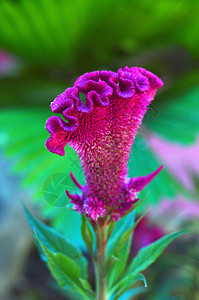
(101, 115)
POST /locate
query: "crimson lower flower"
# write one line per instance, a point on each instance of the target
(145, 233)
(102, 130)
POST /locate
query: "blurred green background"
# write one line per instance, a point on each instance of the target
(44, 46)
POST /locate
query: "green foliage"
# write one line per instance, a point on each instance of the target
(119, 229)
(147, 255)
(57, 243)
(29, 89)
(87, 235)
(125, 237)
(117, 264)
(64, 33)
(119, 255)
(86, 286)
(129, 294)
(175, 280)
(121, 273)
(64, 259)
(65, 270)
(69, 267)
(178, 118)
(127, 282)
(37, 165)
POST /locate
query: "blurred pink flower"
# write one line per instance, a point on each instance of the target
(182, 161)
(173, 214)
(145, 233)
(167, 216)
(6, 62)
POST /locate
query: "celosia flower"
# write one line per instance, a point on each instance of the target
(102, 131)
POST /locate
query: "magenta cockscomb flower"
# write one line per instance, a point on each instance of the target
(102, 130)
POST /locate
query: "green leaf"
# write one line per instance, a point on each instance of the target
(110, 229)
(37, 166)
(29, 89)
(57, 243)
(65, 270)
(87, 235)
(120, 227)
(117, 265)
(127, 283)
(119, 248)
(50, 35)
(87, 287)
(126, 235)
(147, 255)
(133, 292)
(178, 116)
(119, 258)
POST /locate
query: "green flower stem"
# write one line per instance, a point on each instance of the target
(100, 269)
